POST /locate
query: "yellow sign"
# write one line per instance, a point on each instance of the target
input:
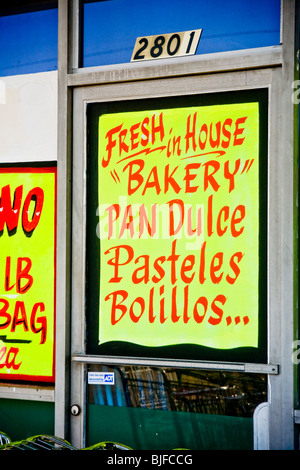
(178, 224)
(27, 273)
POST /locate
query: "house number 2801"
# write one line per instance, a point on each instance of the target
(166, 45)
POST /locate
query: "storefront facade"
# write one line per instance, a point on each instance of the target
(160, 288)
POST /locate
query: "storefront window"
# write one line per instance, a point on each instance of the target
(112, 27)
(28, 42)
(208, 392)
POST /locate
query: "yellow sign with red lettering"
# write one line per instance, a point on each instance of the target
(179, 226)
(27, 273)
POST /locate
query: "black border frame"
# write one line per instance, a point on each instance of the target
(175, 352)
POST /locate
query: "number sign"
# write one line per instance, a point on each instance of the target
(166, 45)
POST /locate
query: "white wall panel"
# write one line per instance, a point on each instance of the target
(28, 118)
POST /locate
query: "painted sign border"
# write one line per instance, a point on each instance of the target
(47, 167)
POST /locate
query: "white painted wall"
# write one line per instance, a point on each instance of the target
(28, 118)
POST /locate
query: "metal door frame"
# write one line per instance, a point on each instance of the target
(239, 70)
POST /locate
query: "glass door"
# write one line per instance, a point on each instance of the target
(169, 238)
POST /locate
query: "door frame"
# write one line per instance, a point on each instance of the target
(239, 70)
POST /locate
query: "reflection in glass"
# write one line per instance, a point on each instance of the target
(195, 391)
(29, 42)
(110, 28)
